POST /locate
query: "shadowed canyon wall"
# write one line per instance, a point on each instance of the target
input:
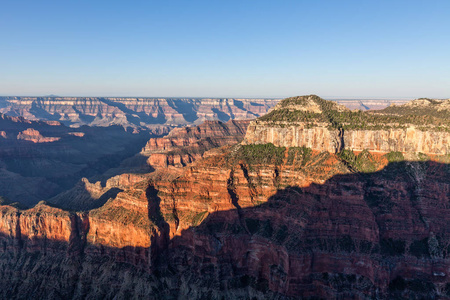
(230, 227)
(39, 159)
(247, 221)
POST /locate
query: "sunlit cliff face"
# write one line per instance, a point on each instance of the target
(250, 220)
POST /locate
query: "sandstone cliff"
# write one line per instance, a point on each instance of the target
(188, 144)
(324, 126)
(323, 138)
(34, 136)
(284, 223)
(252, 220)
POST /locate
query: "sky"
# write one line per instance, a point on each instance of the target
(335, 49)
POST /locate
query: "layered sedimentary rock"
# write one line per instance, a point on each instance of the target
(324, 126)
(188, 144)
(134, 112)
(247, 221)
(289, 223)
(323, 138)
(381, 234)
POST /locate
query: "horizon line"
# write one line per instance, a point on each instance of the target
(232, 97)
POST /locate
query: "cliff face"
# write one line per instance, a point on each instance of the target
(323, 138)
(185, 145)
(289, 223)
(250, 220)
(381, 234)
(309, 121)
(319, 138)
(133, 112)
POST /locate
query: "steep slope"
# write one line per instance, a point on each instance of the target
(179, 148)
(39, 159)
(185, 145)
(248, 221)
(326, 126)
(281, 224)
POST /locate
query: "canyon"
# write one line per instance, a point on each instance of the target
(156, 114)
(39, 159)
(302, 204)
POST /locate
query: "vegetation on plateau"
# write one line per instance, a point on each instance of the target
(260, 154)
(364, 162)
(427, 117)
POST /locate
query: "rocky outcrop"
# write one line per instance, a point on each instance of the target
(410, 139)
(323, 138)
(247, 221)
(321, 125)
(285, 229)
(183, 146)
(121, 227)
(85, 195)
(319, 138)
(35, 136)
(42, 228)
(302, 226)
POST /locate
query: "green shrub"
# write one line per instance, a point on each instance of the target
(198, 218)
(425, 118)
(394, 156)
(259, 154)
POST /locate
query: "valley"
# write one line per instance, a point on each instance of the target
(311, 200)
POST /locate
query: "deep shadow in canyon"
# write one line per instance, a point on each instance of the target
(378, 235)
(32, 171)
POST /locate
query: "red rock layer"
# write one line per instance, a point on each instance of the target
(354, 234)
(185, 145)
(294, 224)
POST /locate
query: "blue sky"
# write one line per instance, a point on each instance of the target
(340, 49)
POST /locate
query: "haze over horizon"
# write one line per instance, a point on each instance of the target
(251, 49)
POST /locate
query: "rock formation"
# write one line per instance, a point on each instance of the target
(188, 144)
(150, 113)
(251, 220)
(324, 126)
(39, 159)
(35, 136)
